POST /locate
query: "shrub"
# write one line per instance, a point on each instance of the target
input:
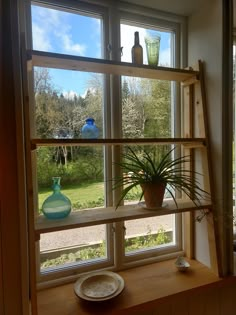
(99, 250)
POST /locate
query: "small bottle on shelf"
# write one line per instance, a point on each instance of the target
(137, 50)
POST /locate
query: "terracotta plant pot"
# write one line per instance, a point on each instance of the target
(153, 194)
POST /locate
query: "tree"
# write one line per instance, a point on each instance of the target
(125, 89)
(91, 105)
(132, 124)
(42, 81)
(133, 116)
(157, 107)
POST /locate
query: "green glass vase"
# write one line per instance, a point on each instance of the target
(153, 49)
(57, 205)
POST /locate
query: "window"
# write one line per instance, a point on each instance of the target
(61, 99)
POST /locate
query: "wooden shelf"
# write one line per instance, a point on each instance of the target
(68, 62)
(97, 216)
(190, 142)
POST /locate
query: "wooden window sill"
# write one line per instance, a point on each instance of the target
(145, 288)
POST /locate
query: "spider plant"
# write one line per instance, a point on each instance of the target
(151, 168)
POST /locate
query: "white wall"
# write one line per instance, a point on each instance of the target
(205, 43)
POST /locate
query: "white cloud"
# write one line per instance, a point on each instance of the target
(91, 90)
(85, 93)
(50, 29)
(69, 46)
(70, 94)
(164, 59)
(47, 19)
(41, 41)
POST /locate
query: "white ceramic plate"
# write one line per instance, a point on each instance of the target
(99, 286)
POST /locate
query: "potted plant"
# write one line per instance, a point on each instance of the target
(156, 172)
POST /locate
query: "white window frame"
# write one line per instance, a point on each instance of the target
(117, 259)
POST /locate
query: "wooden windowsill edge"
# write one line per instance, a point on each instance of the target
(145, 288)
(98, 216)
(77, 63)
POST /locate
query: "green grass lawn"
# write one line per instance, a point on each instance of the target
(79, 193)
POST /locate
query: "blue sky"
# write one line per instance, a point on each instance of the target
(68, 33)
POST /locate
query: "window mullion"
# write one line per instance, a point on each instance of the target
(116, 127)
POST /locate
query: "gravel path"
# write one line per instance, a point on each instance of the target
(88, 235)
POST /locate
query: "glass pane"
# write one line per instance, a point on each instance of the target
(70, 247)
(81, 172)
(66, 32)
(64, 99)
(146, 108)
(148, 102)
(149, 233)
(127, 42)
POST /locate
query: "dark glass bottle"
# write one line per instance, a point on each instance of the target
(137, 50)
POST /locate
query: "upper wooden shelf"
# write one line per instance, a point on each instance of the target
(68, 62)
(190, 142)
(97, 216)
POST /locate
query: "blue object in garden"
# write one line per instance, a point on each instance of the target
(57, 205)
(90, 130)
